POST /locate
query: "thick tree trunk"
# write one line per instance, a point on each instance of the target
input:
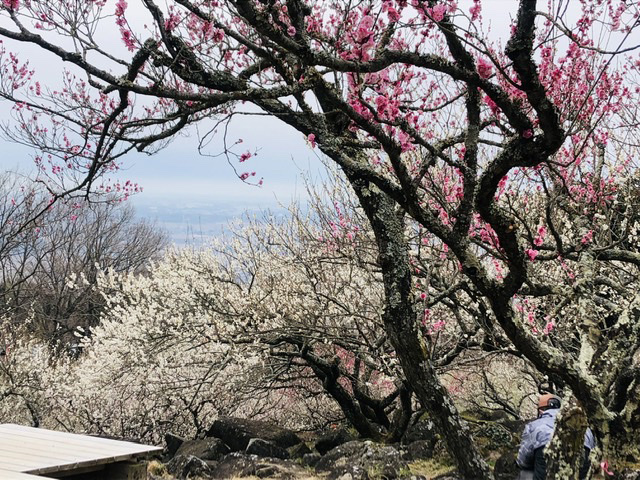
(565, 452)
(621, 443)
(401, 325)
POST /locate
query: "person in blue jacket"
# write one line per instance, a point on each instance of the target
(537, 435)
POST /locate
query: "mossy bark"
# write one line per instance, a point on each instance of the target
(400, 320)
(565, 452)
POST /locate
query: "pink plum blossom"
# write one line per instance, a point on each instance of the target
(438, 12)
(312, 140)
(485, 68)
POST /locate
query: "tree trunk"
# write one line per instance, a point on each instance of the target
(621, 442)
(400, 321)
(565, 452)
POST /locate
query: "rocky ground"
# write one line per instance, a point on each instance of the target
(247, 449)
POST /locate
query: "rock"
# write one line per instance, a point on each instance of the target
(267, 471)
(235, 465)
(237, 432)
(264, 448)
(332, 440)
(238, 465)
(298, 451)
(630, 474)
(423, 430)
(362, 460)
(204, 449)
(338, 454)
(173, 442)
(420, 450)
(311, 459)
(183, 467)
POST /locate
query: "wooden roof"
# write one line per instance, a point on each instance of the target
(39, 451)
(8, 475)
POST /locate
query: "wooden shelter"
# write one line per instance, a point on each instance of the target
(28, 453)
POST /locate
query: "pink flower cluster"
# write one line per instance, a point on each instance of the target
(125, 32)
(438, 12)
(11, 4)
(475, 10)
(485, 68)
(539, 239)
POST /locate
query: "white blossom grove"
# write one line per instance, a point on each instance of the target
(516, 156)
(215, 332)
(279, 318)
(41, 247)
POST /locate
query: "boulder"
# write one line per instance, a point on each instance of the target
(332, 439)
(299, 451)
(264, 448)
(238, 465)
(235, 465)
(267, 471)
(362, 460)
(420, 450)
(183, 467)
(237, 432)
(204, 449)
(423, 430)
(311, 459)
(173, 442)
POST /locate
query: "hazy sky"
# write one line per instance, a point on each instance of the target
(187, 193)
(178, 180)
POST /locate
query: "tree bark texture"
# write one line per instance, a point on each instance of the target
(401, 325)
(565, 452)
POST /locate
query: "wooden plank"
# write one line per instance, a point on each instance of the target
(9, 475)
(40, 451)
(106, 444)
(55, 453)
(54, 447)
(26, 461)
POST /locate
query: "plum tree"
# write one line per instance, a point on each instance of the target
(516, 156)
